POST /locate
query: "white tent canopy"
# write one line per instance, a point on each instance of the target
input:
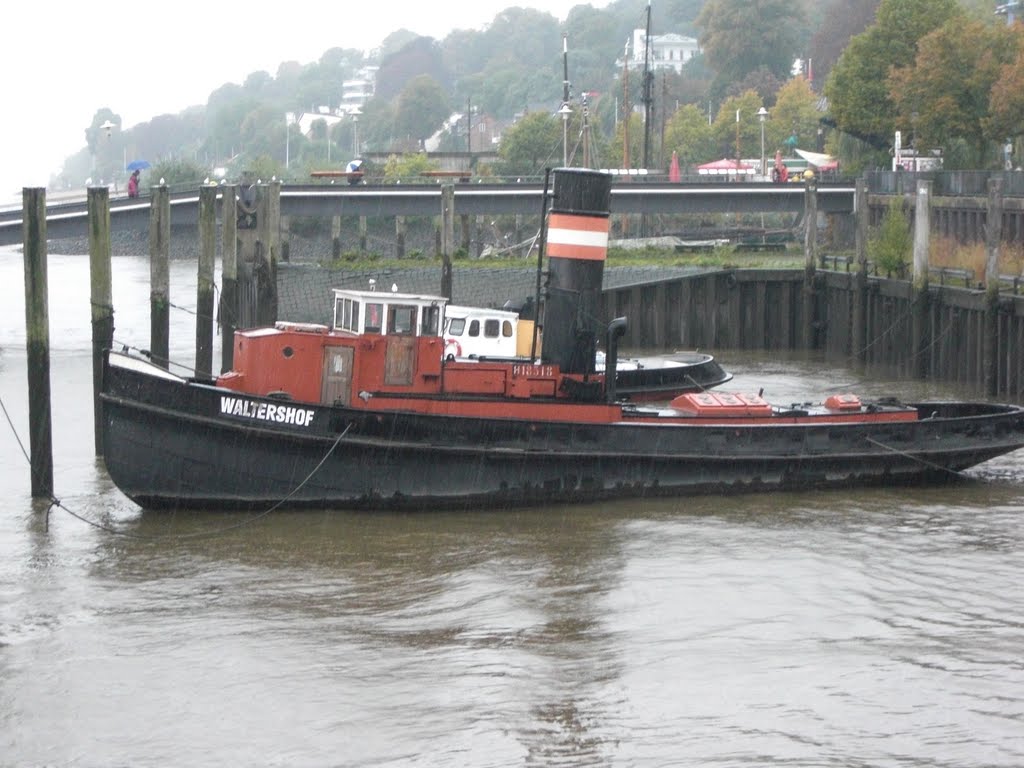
(815, 158)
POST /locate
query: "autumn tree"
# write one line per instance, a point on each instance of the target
(1006, 100)
(858, 87)
(944, 93)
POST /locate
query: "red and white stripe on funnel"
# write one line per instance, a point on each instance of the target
(571, 236)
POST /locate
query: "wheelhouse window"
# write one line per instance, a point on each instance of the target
(474, 328)
(373, 322)
(506, 329)
(402, 320)
(431, 321)
(457, 326)
(491, 329)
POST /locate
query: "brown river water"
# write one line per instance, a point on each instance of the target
(865, 628)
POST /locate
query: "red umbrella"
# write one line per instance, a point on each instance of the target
(673, 168)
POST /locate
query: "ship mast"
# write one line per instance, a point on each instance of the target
(625, 107)
(648, 89)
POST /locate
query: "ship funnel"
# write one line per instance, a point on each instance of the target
(576, 247)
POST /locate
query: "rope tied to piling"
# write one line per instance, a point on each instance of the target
(56, 502)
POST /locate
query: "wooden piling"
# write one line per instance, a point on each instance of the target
(399, 237)
(204, 279)
(919, 357)
(268, 210)
(810, 261)
(101, 298)
(286, 237)
(335, 238)
(362, 234)
(467, 236)
(993, 239)
(159, 275)
(37, 341)
(479, 230)
(860, 279)
(228, 312)
(447, 238)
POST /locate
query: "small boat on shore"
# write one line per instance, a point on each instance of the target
(370, 413)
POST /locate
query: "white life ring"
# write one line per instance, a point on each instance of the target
(452, 349)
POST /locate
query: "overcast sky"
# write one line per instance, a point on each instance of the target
(62, 60)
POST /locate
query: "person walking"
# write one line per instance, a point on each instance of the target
(133, 184)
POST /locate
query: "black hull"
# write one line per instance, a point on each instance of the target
(168, 445)
(689, 373)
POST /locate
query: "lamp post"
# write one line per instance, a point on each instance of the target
(565, 111)
(737, 142)
(913, 136)
(287, 138)
(762, 114)
(355, 132)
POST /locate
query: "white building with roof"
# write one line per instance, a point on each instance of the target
(669, 51)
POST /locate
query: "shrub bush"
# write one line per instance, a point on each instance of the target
(891, 244)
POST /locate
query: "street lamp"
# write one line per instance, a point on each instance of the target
(565, 111)
(737, 142)
(355, 132)
(762, 114)
(288, 118)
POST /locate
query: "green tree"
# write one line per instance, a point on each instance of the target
(688, 134)
(615, 152)
(740, 36)
(178, 172)
(740, 138)
(104, 140)
(422, 107)
(842, 20)
(408, 167)
(531, 145)
(795, 114)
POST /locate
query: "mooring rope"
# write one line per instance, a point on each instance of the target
(56, 502)
(929, 464)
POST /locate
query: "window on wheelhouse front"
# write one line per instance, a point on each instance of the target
(373, 322)
(402, 320)
(457, 326)
(474, 328)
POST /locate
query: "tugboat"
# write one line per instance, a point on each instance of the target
(370, 413)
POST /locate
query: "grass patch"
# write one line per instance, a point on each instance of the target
(724, 257)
